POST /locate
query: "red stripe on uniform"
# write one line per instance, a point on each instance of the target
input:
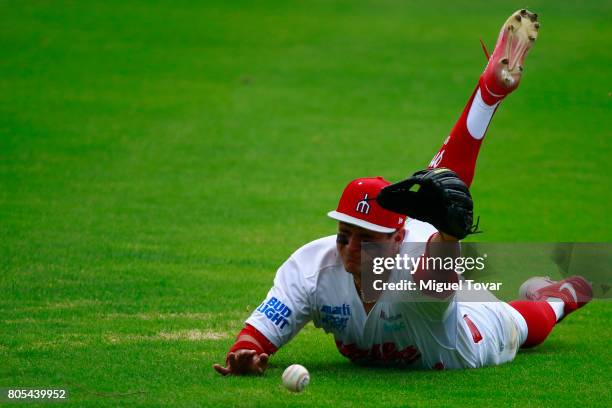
(473, 329)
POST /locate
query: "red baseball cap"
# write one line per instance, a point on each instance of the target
(358, 206)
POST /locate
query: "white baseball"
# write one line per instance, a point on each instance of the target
(296, 378)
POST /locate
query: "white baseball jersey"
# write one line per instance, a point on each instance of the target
(312, 285)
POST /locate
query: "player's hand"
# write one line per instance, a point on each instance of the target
(243, 362)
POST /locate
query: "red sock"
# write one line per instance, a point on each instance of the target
(460, 150)
(540, 318)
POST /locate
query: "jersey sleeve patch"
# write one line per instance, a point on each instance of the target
(275, 311)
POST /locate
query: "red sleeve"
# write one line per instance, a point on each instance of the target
(423, 274)
(251, 339)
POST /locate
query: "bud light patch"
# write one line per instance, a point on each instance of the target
(276, 311)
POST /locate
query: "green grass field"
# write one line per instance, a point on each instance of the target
(159, 161)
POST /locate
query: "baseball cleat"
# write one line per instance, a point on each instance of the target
(505, 67)
(575, 291)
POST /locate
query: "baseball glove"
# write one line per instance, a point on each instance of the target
(437, 196)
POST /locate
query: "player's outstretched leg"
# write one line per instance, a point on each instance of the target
(500, 77)
(504, 70)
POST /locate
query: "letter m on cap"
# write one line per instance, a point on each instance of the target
(363, 206)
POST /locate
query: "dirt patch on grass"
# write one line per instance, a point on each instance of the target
(159, 316)
(66, 304)
(63, 341)
(181, 335)
(192, 335)
(25, 320)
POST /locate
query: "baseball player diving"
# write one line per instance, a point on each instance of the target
(322, 281)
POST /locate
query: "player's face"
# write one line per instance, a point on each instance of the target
(350, 238)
